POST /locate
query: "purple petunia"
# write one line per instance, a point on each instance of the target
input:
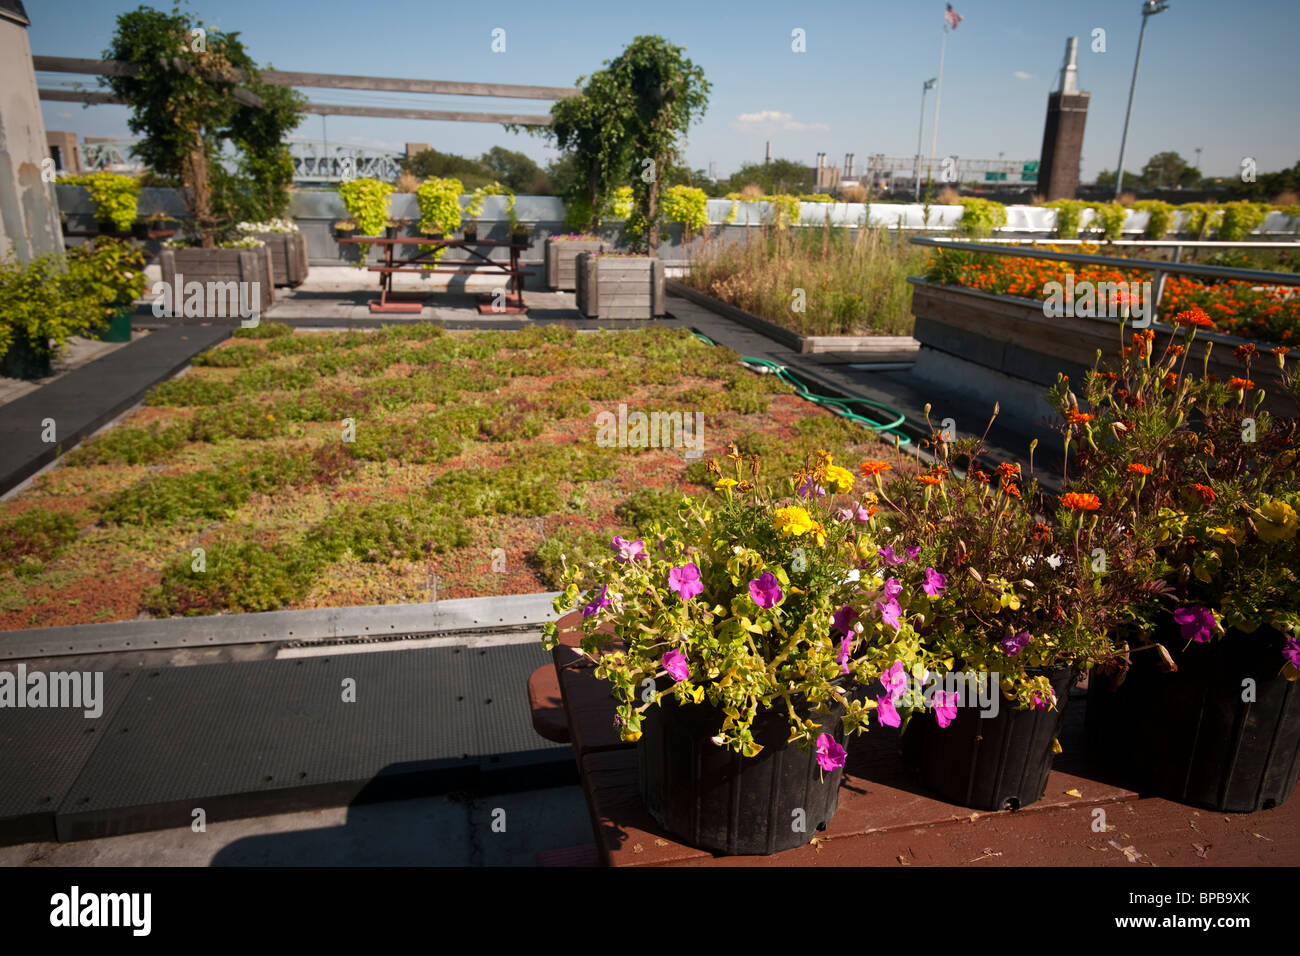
(1011, 645)
(830, 755)
(598, 602)
(1040, 703)
(629, 550)
(934, 582)
(808, 489)
(1292, 651)
(846, 643)
(889, 557)
(945, 707)
(890, 612)
(892, 589)
(1197, 623)
(912, 552)
(686, 581)
(765, 591)
(842, 619)
(675, 664)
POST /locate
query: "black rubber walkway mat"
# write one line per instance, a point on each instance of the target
(42, 751)
(87, 398)
(245, 739)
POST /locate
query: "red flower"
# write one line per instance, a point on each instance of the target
(1206, 492)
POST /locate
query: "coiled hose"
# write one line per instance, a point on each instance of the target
(844, 407)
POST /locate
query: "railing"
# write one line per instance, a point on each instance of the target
(1158, 268)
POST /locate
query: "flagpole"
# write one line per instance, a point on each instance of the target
(938, 98)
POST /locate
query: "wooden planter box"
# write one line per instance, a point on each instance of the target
(1011, 336)
(223, 266)
(562, 261)
(619, 287)
(288, 256)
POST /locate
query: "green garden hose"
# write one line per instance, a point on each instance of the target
(840, 406)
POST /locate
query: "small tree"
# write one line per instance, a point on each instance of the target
(181, 86)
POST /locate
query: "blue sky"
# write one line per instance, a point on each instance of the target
(1217, 75)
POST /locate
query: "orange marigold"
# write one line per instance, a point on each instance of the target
(1194, 316)
(869, 468)
(1206, 492)
(1011, 489)
(1077, 501)
(1245, 383)
(1078, 418)
(1009, 469)
(1139, 469)
(929, 479)
(1171, 380)
(1177, 350)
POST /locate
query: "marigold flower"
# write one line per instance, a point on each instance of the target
(1177, 350)
(929, 479)
(1042, 532)
(1244, 352)
(839, 479)
(1079, 418)
(1280, 522)
(1138, 469)
(1171, 381)
(1206, 492)
(869, 468)
(1011, 489)
(725, 483)
(1077, 501)
(792, 521)
(1008, 470)
(1194, 317)
(1245, 383)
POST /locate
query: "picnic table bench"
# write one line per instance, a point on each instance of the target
(887, 817)
(423, 259)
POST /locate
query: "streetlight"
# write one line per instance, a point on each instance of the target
(1198, 160)
(1149, 8)
(927, 85)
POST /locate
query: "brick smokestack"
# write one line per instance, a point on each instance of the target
(1067, 113)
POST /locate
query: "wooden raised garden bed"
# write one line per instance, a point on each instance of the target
(288, 256)
(1011, 336)
(562, 261)
(619, 287)
(221, 266)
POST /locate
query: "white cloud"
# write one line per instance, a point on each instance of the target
(773, 121)
(1022, 75)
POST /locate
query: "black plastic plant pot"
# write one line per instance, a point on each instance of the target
(715, 799)
(24, 362)
(990, 763)
(1222, 732)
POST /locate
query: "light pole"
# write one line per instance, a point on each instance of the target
(1198, 161)
(1149, 8)
(920, 131)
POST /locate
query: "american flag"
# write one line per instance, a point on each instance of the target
(952, 16)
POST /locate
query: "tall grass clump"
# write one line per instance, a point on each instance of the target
(854, 281)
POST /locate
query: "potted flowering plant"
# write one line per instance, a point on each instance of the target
(1201, 705)
(1007, 606)
(734, 654)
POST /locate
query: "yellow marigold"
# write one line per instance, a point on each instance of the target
(793, 521)
(1227, 532)
(725, 483)
(1280, 522)
(839, 479)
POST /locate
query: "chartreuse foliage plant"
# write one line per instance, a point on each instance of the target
(116, 197)
(1110, 219)
(687, 205)
(980, 217)
(1160, 217)
(1068, 214)
(366, 201)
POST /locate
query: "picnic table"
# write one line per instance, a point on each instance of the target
(423, 259)
(886, 816)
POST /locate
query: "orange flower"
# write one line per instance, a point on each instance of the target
(1011, 489)
(1245, 383)
(1139, 469)
(1176, 351)
(1078, 418)
(1042, 532)
(1194, 316)
(929, 479)
(1279, 350)
(1080, 502)
(1206, 492)
(1008, 470)
(1243, 352)
(869, 468)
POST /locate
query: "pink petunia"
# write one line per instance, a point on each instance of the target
(890, 612)
(808, 489)
(846, 643)
(629, 550)
(934, 582)
(889, 556)
(842, 619)
(887, 713)
(675, 664)
(892, 589)
(945, 707)
(601, 600)
(686, 581)
(894, 679)
(830, 755)
(1011, 645)
(1292, 651)
(1197, 623)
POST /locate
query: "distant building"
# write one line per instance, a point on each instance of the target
(64, 151)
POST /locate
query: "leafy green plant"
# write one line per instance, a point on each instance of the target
(42, 304)
(1111, 216)
(439, 201)
(686, 205)
(1240, 219)
(568, 548)
(1202, 218)
(116, 197)
(1068, 213)
(980, 217)
(36, 534)
(366, 201)
(384, 530)
(240, 576)
(1160, 217)
(264, 330)
(782, 211)
(130, 446)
